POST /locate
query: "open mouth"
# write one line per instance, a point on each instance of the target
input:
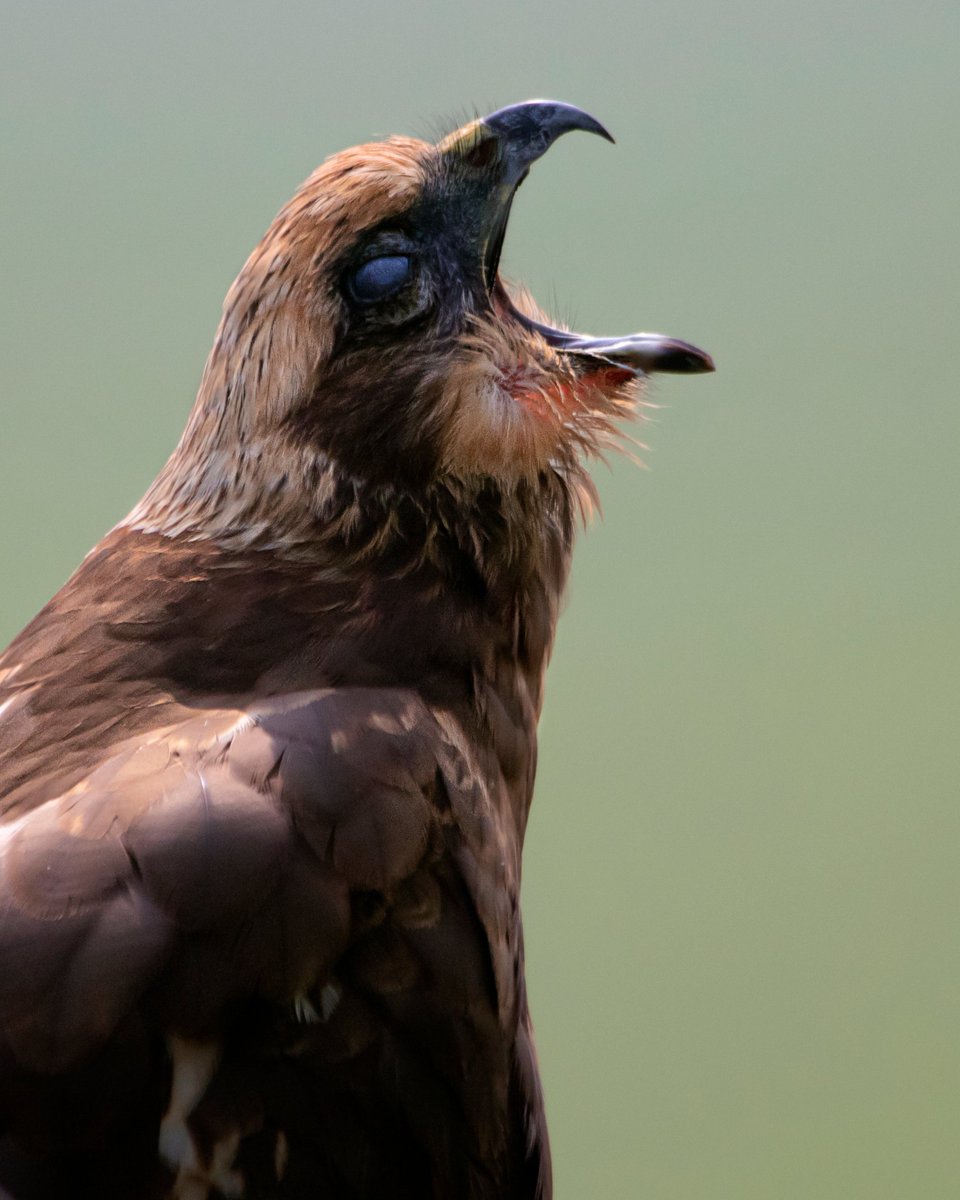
(505, 144)
(640, 353)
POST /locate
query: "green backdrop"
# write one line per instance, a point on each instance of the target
(741, 882)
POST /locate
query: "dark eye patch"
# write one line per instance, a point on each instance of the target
(379, 278)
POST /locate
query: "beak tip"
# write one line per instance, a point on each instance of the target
(689, 363)
(533, 125)
(671, 356)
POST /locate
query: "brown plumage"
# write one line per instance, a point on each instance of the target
(266, 759)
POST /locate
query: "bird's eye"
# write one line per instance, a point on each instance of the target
(379, 278)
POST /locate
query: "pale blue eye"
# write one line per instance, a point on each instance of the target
(379, 278)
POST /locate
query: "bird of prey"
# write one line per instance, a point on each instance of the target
(266, 759)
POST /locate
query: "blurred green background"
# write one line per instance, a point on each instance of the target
(741, 884)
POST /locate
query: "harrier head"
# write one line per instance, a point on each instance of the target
(371, 329)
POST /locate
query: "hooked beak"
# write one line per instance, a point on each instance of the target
(502, 146)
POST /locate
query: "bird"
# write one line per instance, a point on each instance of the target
(267, 758)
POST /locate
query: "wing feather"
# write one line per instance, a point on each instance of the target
(221, 850)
